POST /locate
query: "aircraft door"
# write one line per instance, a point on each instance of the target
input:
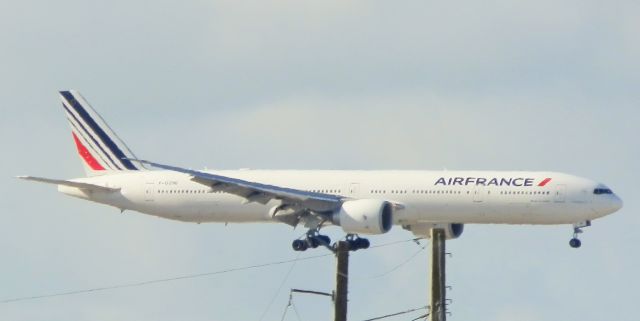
(479, 194)
(354, 188)
(560, 193)
(149, 191)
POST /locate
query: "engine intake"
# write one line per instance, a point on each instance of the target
(366, 216)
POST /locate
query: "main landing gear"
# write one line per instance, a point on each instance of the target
(357, 243)
(313, 239)
(577, 229)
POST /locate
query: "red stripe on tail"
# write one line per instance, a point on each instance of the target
(86, 155)
(544, 182)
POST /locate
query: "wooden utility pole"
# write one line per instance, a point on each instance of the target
(437, 306)
(342, 279)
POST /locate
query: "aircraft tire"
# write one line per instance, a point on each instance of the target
(575, 243)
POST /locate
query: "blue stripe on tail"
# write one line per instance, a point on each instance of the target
(85, 133)
(96, 129)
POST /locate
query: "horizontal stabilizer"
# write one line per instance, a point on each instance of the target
(84, 186)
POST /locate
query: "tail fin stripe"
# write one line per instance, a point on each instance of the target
(82, 136)
(96, 129)
(74, 120)
(92, 129)
(86, 155)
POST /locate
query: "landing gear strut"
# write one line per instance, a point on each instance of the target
(577, 229)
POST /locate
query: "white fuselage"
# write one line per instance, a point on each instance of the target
(420, 196)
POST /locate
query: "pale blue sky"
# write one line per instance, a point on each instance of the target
(535, 85)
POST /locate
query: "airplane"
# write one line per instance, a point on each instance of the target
(361, 202)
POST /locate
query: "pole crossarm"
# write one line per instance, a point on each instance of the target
(311, 292)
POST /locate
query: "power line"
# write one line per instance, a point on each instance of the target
(275, 295)
(416, 240)
(292, 305)
(178, 278)
(144, 283)
(396, 314)
(284, 314)
(403, 263)
(295, 310)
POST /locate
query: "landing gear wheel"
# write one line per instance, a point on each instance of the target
(313, 242)
(364, 243)
(357, 243)
(324, 240)
(315, 239)
(299, 245)
(575, 243)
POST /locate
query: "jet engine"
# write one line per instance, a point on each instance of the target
(451, 230)
(365, 216)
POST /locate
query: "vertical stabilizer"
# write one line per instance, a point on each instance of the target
(100, 149)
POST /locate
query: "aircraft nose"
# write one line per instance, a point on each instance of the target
(616, 203)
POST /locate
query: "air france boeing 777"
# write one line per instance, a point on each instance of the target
(360, 202)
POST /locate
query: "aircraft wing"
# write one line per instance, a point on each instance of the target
(261, 193)
(84, 186)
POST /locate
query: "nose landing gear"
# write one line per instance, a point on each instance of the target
(575, 242)
(577, 229)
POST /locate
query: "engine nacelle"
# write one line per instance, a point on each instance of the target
(451, 230)
(366, 216)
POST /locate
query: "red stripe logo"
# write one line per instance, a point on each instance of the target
(544, 182)
(86, 155)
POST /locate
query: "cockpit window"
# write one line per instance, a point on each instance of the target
(599, 191)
